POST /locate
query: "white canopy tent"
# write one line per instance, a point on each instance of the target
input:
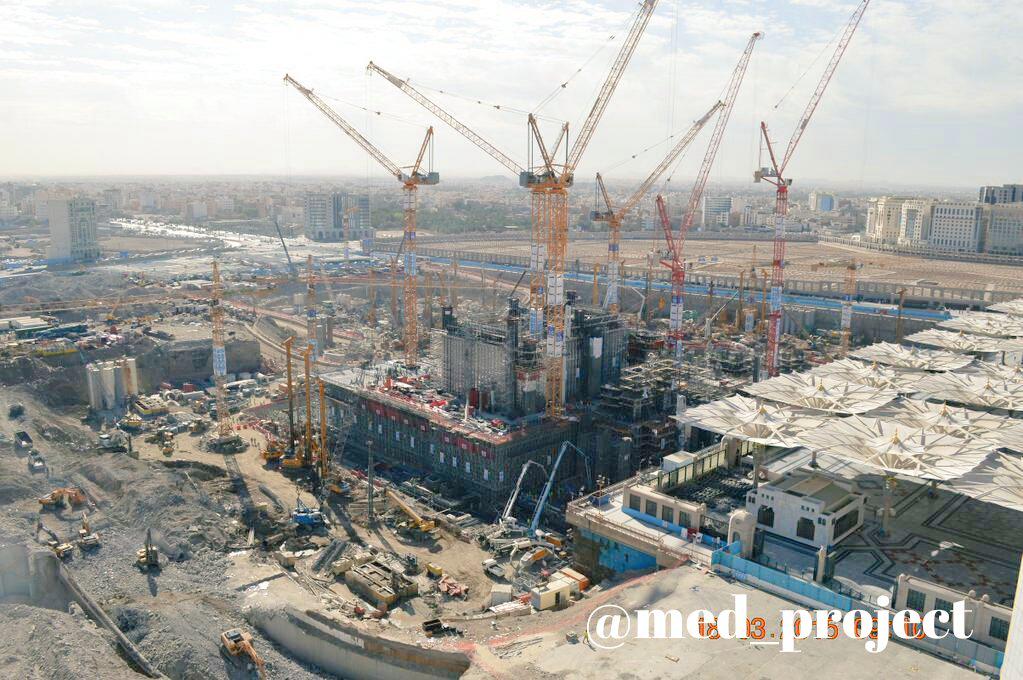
(998, 480)
(985, 323)
(803, 390)
(964, 342)
(957, 421)
(973, 390)
(896, 449)
(873, 375)
(754, 420)
(914, 358)
(1012, 307)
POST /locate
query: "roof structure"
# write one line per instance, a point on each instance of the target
(997, 371)
(896, 449)
(985, 323)
(998, 480)
(914, 358)
(960, 422)
(964, 342)
(822, 394)
(874, 375)
(1012, 307)
(754, 420)
(971, 390)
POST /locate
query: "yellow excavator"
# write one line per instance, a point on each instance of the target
(237, 642)
(148, 557)
(65, 497)
(420, 527)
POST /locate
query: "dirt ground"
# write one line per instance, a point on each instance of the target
(801, 258)
(142, 244)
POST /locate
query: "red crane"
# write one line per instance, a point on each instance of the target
(675, 243)
(774, 174)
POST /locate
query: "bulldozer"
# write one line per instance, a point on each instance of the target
(237, 642)
(66, 497)
(148, 557)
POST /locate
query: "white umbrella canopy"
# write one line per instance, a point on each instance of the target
(999, 372)
(957, 421)
(874, 375)
(804, 390)
(915, 358)
(899, 450)
(973, 390)
(985, 323)
(964, 342)
(754, 420)
(998, 480)
(1012, 307)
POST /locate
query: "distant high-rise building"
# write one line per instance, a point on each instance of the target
(319, 217)
(197, 211)
(1004, 230)
(915, 222)
(822, 202)
(72, 229)
(957, 226)
(113, 199)
(1007, 193)
(883, 217)
(716, 210)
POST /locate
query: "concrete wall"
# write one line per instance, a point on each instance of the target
(192, 361)
(350, 653)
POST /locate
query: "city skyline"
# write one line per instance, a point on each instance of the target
(154, 89)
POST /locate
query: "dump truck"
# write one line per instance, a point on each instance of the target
(237, 642)
(36, 462)
(22, 441)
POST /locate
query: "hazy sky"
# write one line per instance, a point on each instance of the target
(928, 92)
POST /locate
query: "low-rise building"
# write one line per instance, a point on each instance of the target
(808, 508)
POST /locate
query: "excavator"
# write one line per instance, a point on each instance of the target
(66, 497)
(148, 557)
(237, 642)
(87, 538)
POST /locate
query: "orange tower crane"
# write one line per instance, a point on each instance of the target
(615, 216)
(548, 183)
(410, 182)
(775, 175)
(676, 263)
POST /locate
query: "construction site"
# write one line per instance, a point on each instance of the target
(234, 455)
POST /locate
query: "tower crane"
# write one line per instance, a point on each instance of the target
(310, 306)
(225, 436)
(410, 182)
(775, 174)
(676, 263)
(614, 216)
(548, 184)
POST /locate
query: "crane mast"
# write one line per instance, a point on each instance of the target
(219, 355)
(550, 214)
(675, 243)
(615, 216)
(548, 187)
(775, 175)
(410, 184)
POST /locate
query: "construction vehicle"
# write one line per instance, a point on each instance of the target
(67, 497)
(62, 550)
(535, 522)
(113, 440)
(237, 642)
(87, 538)
(22, 441)
(419, 527)
(198, 426)
(36, 464)
(147, 558)
(305, 517)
